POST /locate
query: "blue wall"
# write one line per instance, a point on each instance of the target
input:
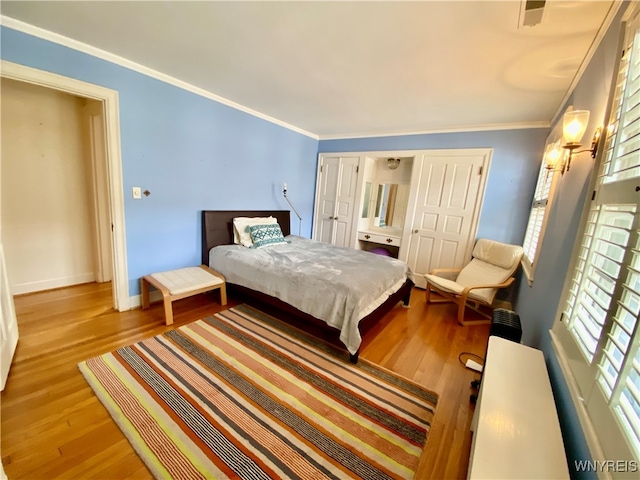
(512, 177)
(190, 152)
(537, 305)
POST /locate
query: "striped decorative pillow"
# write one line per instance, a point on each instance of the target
(266, 235)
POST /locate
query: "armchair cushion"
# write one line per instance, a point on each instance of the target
(478, 272)
(492, 264)
(444, 284)
(498, 254)
(484, 295)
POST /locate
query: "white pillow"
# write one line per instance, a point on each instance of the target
(241, 226)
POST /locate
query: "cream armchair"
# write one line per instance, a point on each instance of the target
(491, 268)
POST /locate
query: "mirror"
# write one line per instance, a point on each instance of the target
(367, 200)
(391, 205)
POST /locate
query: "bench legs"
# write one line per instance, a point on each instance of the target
(167, 298)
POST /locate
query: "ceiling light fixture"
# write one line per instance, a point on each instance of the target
(393, 163)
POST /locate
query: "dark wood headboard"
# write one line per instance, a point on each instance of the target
(217, 226)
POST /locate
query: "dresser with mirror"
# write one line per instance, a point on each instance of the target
(384, 205)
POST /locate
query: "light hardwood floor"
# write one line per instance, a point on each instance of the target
(53, 426)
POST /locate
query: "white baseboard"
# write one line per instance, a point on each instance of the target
(38, 286)
(136, 300)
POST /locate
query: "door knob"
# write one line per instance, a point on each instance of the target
(415, 231)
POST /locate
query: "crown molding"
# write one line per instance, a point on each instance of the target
(466, 129)
(611, 14)
(47, 35)
(123, 62)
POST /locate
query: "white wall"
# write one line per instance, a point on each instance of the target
(45, 215)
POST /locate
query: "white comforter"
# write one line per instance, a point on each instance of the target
(335, 284)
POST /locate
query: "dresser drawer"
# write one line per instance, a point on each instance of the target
(379, 238)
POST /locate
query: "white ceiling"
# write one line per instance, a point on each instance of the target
(340, 69)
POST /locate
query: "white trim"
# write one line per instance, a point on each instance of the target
(135, 301)
(459, 129)
(118, 60)
(587, 58)
(113, 154)
(585, 422)
(411, 153)
(93, 112)
(40, 285)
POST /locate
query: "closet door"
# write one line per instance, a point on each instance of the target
(336, 200)
(449, 191)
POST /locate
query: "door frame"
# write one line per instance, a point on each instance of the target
(95, 151)
(113, 159)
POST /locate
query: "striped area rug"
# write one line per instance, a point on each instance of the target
(241, 395)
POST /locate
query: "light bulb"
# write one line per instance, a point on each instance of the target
(552, 155)
(574, 125)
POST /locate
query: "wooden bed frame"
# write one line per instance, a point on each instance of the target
(217, 229)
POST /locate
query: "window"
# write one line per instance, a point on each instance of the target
(539, 208)
(599, 330)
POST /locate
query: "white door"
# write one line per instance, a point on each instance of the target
(336, 200)
(8, 324)
(448, 196)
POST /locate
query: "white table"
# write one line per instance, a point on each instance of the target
(516, 433)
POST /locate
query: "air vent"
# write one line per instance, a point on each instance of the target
(531, 13)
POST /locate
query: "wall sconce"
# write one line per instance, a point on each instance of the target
(393, 163)
(574, 124)
(555, 158)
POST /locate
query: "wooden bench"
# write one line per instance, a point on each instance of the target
(182, 283)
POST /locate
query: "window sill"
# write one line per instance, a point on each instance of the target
(593, 442)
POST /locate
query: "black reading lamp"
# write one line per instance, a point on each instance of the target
(284, 192)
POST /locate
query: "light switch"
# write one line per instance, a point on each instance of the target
(137, 193)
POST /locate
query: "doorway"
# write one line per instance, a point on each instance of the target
(111, 164)
(51, 146)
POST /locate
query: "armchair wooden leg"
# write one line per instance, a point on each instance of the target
(475, 321)
(428, 293)
(461, 307)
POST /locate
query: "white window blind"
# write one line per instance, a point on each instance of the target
(603, 298)
(535, 226)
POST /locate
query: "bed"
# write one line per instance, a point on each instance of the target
(361, 299)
